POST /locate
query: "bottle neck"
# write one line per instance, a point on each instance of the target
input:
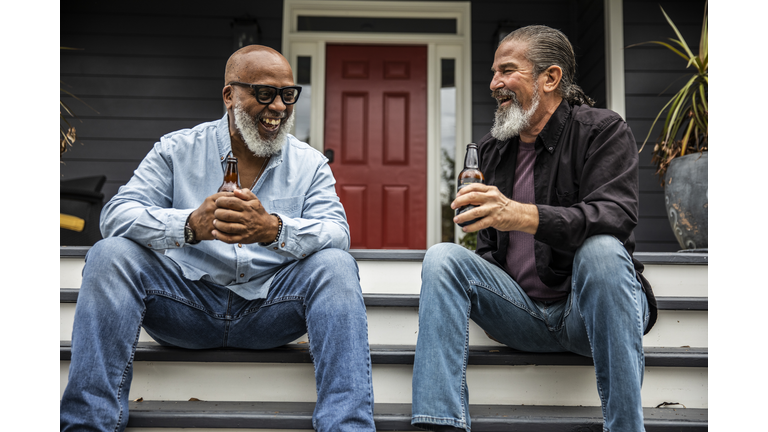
(471, 159)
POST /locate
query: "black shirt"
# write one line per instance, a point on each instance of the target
(585, 183)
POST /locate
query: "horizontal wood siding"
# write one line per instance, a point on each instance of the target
(150, 68)
(652, 75)
(147, 68)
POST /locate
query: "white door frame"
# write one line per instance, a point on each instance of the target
(439, 46)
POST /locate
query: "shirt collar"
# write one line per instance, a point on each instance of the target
(550, 135)
(222, 137)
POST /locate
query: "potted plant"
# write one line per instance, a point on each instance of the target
(680, 151)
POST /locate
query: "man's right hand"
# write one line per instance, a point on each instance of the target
(201, 220)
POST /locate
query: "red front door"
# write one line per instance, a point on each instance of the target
(376, 128)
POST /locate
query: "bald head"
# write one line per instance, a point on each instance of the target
(254, 60)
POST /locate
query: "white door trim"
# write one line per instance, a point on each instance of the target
(614, 56)
(439, 46)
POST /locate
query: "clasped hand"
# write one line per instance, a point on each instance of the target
(494, 210)
(234, 217)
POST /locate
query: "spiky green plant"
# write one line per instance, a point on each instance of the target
(68, 132)
(687, 111)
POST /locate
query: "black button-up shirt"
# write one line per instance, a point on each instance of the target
(585, 183)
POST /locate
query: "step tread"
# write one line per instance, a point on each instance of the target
(298, 415)
(402, 354)
(653, 258)
(69, 295)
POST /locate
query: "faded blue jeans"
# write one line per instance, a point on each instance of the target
(126, 285)
(603, 317)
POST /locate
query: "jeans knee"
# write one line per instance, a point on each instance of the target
(442, 256)
(601, 252)
(602, 262)
(112, 251)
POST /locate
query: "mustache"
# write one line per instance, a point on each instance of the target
(271, 114)
(503, 93)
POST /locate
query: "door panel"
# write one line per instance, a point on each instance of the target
(375, 123)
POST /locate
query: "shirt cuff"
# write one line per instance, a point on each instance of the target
(175, 229)
(550, 225)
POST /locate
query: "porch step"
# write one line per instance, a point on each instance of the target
(400, 354)
(69, 295)
(274, 390)
(394, 417)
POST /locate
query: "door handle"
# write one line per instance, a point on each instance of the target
(329, 154)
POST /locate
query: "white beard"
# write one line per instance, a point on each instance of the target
(512, 119)
(249, 131)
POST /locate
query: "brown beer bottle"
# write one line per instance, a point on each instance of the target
(231, 176)
(470, 174)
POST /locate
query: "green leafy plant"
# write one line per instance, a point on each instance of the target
(687, 111)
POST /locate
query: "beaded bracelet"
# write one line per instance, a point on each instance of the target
(279, 230)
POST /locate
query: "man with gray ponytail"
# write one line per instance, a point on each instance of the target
(553, 270)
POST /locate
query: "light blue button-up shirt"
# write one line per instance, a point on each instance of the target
(186, 167)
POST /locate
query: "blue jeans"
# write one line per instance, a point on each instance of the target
(126, 285)
(603, 317)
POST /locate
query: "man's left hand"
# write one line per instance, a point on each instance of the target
(494, 210)
(242, 219)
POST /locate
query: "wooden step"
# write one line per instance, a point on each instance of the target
(396, 417)
(400, 354)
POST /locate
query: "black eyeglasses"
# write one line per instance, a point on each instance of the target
(266, 94)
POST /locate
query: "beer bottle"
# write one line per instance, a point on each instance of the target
(470, 174)
(231, 176)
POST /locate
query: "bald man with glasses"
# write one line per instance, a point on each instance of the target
(255, 268)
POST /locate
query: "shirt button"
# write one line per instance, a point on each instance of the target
(177, 243)
(222, 158)
(274, 248)
(303, 255)
(239, 245)
(149, 244)
(551, 148)
(242, 275)
(282, 244)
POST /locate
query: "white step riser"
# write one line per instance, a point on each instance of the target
(404, 277)
(399, 326)
(514, 385)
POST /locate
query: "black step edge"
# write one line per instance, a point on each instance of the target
(401, 354)
(655, 258)
(69, 295)
(485, 418)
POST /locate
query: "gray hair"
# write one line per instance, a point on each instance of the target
(549, 47)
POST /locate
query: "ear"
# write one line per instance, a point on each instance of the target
(551, 78)
(228, 97)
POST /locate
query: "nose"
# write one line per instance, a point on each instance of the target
(277, 104)
(496, 82)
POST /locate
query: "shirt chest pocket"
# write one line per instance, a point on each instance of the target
(290, 207)
(567, 198)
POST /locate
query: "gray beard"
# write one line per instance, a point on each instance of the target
(512, 119)
(249, 131)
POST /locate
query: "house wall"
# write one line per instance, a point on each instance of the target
(150, 68)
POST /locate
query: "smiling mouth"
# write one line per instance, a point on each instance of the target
(271, 124)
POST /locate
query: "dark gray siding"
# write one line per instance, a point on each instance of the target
(148, 68)
(649, 71)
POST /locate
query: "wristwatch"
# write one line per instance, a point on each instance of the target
(189, 234)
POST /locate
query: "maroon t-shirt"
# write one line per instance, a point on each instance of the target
(521, 260)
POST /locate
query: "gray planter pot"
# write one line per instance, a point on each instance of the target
(687, 199)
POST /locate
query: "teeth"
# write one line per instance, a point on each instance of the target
(271, 122)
